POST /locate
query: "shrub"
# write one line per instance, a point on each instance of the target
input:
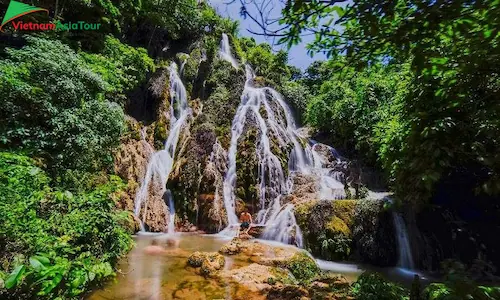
(121, 66)
(371, 286)
(54, 107)
(459, 285)
(303, 267)
(55, 243)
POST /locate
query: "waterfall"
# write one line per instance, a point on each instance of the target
(161, 163)
(405, 257)
(273, 182)
(273, 118)
(171, 208)
(225, 51)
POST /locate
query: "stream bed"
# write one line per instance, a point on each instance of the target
(167, 276)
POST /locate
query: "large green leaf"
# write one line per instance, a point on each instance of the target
(15, 276)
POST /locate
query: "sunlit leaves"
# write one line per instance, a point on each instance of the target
(15, 276)
(80, 234)
(454, 50)
(55, 106)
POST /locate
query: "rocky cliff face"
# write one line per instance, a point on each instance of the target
(138, 145)
(346, 229)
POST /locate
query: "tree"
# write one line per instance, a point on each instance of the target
(452, 114)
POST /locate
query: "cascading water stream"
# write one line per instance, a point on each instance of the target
(330, 180)
(278, 123)
(225, 51)
(171, 208)
(405, 256)
(161, 162)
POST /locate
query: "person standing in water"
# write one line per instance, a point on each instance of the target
(246, 222)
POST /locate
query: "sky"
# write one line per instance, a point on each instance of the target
(297, 55)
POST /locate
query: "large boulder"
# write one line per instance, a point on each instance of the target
(359, 230)
(257, 278)
(374, 234)
(288, 292)
(208, 262)
(256, 249)
(326, 226)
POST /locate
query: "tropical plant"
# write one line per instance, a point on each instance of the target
(372, 286)
(55, 106)
(55, 243)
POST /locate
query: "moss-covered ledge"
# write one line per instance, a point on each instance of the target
(355, 230)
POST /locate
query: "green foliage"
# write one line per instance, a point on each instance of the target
(297, 95)
(55, 243)
(355, 107)
(371, 286)
(178, 18)
(440, 291)
(123, 67)
(458, 285)
(272, 66)
(303, 267)
(450, 117)
(54, 107)
(337, 247)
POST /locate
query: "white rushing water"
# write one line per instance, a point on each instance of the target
(405, 256)
(225, 51)
(171, 208)
(161, 162)
(273, 118)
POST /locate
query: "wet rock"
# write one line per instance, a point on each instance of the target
(318, 285)
(231, 248)
(256, 231)
(208, 262)
(254, 277)
(130, 163)
(331, 279)
(288, 292)
(196, 259)
(341, 283)
(245, 236)
(132, 223)
(212, 264)
(360, 230)
(211, 215)
(273, 254)
(374, 234)
(305, 187)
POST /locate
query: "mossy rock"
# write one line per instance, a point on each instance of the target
(360, 230)
(303, 267)
(247, 168)
(130, 222)
(345, 210)
(337, 225)
(197, 258)
(133, 129)
(374, 234)
(326, 226)
(287, 292)
(192, 64)
(282, 276)
(211, 264)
